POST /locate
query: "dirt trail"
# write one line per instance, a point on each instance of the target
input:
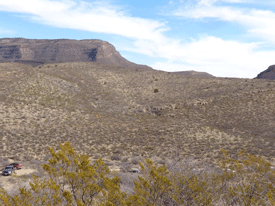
(24, 172)
(12, 183)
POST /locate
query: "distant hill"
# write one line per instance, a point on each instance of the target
(269, 73)
(194, 73)
(35, 52)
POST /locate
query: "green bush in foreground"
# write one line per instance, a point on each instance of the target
(248, 180)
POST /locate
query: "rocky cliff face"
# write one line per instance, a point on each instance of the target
(36, 52)
(267, 74)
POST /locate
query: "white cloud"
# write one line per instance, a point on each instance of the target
(206, 2)
(210, 54)
(259, 23)
(6, 31)
(94, 17)
(218, 57)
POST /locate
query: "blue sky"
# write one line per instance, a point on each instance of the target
(226, 38)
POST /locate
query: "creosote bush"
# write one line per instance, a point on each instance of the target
(72, 180)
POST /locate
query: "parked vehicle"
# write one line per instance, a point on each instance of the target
(16, 165)
(8, 170)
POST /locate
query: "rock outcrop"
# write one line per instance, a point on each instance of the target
(35, 52)
(267, 74)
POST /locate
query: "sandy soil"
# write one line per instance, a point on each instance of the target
(24, 172)
(12, 183)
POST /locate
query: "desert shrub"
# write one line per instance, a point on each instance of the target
(15, 158)
(4, 163)
(152, 188)
(115, 157)
(46, 157)
(28, 157)
(156, 90)
(134, 161)
(249, 180)
(118, 151)
(125, 159)
(127, 182)
(72, 180)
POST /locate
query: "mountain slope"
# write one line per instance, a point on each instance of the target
(269, 73)
(36, 52)
(125, 114)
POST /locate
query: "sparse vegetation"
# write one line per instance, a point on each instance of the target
(72, 180)
(125, 122)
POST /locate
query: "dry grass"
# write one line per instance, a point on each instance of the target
(117, 114)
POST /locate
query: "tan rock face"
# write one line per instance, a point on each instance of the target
(36, 52)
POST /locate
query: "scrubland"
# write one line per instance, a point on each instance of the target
(125, 115)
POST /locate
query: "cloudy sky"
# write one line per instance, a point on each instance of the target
(226, 38)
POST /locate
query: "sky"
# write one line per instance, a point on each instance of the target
(226, 38)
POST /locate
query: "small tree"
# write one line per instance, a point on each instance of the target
(152, 188)
(247, 180)
(72, 181)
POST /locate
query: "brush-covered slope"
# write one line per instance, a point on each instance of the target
(41, 51)
(122, 114)
(194, 73)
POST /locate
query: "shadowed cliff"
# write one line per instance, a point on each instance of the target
(269, 73)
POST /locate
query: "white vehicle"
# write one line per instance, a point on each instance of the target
(8, 170)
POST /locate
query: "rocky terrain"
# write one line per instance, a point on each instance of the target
(35, 52)
(126, 114)
(269, 73)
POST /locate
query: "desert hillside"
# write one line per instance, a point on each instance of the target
(124, 114)
(36, 52)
